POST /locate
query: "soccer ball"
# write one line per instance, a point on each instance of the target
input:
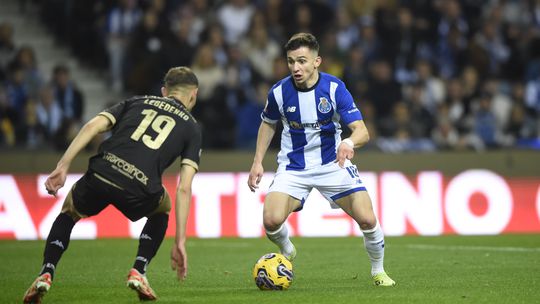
(273, 271)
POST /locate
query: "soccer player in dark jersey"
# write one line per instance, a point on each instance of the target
(148, 134)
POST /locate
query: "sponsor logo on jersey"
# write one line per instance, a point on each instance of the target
(324, 106)
(127, 169)
(291, 109)
(308, 125)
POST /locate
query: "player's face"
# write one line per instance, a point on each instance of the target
(303, 64)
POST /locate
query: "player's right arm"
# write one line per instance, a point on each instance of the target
(95, 126)
(264, 137)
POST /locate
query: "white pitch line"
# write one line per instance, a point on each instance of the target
(476, 248)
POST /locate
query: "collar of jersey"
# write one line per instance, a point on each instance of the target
(177, 102)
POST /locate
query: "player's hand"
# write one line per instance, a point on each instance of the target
(344, 152)
(56, 180)
(179, 260)
(255, 176)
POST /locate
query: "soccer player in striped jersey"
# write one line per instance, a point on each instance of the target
(310, 105)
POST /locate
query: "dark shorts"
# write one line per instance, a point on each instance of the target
(91, 195)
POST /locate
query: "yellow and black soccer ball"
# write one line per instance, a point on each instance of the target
(273, 271)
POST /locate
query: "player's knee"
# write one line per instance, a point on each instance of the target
(272, 222)
(367, 223)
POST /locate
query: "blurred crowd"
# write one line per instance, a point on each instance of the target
(427, 75)
(36, 110)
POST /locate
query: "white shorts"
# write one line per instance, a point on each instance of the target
(332, 181)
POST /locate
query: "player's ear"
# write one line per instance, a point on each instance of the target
(193, 98)
(318, 61)
(164, 92)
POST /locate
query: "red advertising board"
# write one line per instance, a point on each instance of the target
(472, 202)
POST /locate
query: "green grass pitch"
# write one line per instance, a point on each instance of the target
(447, 269)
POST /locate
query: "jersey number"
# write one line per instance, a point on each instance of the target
(162, 124)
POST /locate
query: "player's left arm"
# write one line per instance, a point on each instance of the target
(359, 137)
(57, 178)
(352, 116)
(190, 166)
(183, 202)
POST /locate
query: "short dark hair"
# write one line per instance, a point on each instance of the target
(180, 77)
(302, 40)
(60, 68)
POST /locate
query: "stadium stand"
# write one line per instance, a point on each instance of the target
(428, 76)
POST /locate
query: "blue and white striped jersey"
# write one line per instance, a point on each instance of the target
(311, 120)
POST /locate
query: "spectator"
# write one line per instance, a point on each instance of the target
(348, 32)
(7, 127)
(444, 135)
(189, 20)
(49, 113)
(180, 39)
(235, 17)
(470, 83)
(433, 89)
(451, 54)
(451, 17)
(355, 73)
(25, 61)
(67, 94)
(17, 93)
(212, 110)
(146, 56)
(248, 118)
(275, 12)
(454, 105)
(520, 125)
(383, 90)
(421, 119)
(7, 48)
(121, 21)
(532, 95)
(490, 44)
(215, 39)
(210, 74)
(400, 44)
(484, 122)
(30, 133)
(501, 103)
(369, 41)
(260, 49)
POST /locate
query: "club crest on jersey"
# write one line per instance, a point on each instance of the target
(324, 106)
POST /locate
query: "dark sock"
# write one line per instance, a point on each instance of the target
(150, 239)
(57, 242)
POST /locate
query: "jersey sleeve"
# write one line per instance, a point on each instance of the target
(114, 112)
(192, 151)
(271, 114)
(345, 105)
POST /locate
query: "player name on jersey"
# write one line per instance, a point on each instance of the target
(165, 106)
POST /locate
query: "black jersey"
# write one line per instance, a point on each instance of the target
(148, 134)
